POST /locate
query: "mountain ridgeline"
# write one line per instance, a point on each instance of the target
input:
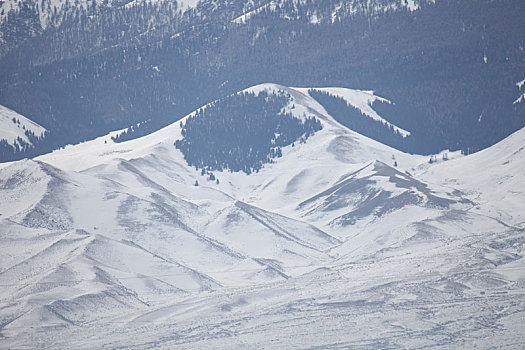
(242, 132)
(450, 67)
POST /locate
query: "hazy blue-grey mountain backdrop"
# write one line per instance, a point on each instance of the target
(84, 68)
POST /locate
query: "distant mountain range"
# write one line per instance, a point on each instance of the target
(81, 69)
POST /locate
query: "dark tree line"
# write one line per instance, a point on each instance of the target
(22, 149)
(242, 132)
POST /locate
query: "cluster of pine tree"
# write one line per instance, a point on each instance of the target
(242, 132)
(134, 131)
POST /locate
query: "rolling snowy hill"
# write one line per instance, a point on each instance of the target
(342, 242)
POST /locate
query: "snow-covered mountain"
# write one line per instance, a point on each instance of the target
(342, 242)
(13, 128)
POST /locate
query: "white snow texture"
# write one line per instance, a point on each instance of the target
(110, 245)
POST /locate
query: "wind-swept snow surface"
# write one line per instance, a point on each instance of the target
(334, 246)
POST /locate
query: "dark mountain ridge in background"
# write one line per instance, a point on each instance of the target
(450, 67)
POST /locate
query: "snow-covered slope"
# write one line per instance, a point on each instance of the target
(13, 127)
(493, 176)
(111, 245)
